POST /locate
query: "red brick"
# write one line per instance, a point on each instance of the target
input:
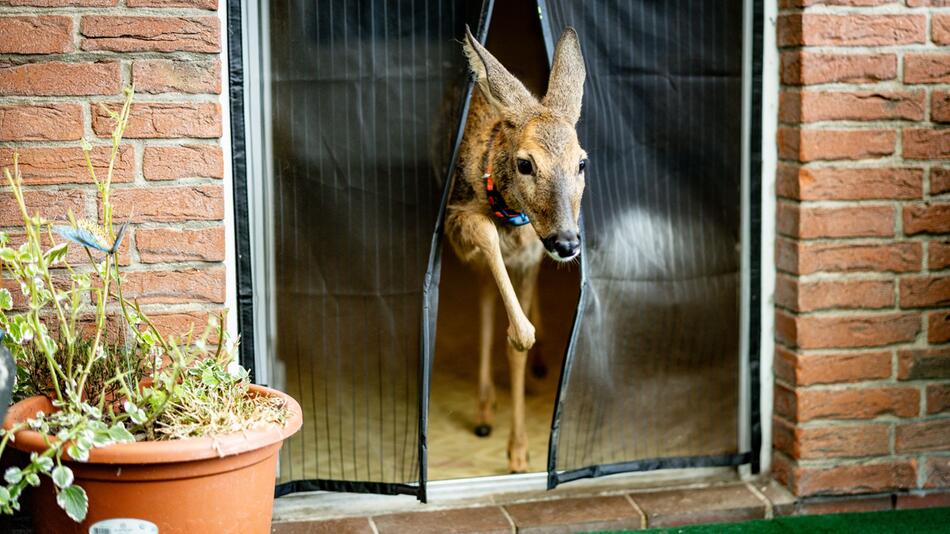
(811, 369)
(801, 67)
(174, 76)
(861, 478)
(918, 364)
(938, 398)
(178, 324)
(674, 507)
(168, 204)
(927, 218)
(852, 29)
(854, 221)
(938, 327)
(197, 4)
(854, 331)
(927, 144)
(923, 436)
(576, 514)
(864, 403)
(489, 519)
(840, 441)
(188, 286)
(940, 106)
(928, 3)
(844, 504)
(67, 165)
(162, 245)
(784, 470)
(53, 205)
(929, 500)
(58, 3)
(923, 291)
(939, 180)
(785, 403)
(785, 365)
(810, 257)
(938, 253)
(186, 161)
(36, 35)
(826, 183)
(41, 122)
(807, 3)
(348, 525)
(56, 78)
(940, 24)
(165, 120)
(150, 34)
(937, 472)
(811, 145)
(828, 294)
(813, 106)
(927, 68)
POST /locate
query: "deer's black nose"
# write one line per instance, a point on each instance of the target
(564, 243)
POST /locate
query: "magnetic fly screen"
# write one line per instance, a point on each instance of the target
(365, 98)
(653, 377)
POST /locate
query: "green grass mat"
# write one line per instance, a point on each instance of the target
(902, 521)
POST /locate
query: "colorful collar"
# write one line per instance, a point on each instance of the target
(497, 202)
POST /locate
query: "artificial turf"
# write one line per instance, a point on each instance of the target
(902, 521)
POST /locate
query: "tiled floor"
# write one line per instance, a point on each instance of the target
(732, 502)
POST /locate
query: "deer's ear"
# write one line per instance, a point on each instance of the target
(566, 85)
(497, 84)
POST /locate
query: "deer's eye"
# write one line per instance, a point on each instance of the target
(524, 166)
(582, 165)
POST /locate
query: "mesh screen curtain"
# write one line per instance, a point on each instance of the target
(360, 94)
(652, 377)
(367, 100)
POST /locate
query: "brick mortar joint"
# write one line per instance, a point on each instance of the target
(117, 11)
(769, 507)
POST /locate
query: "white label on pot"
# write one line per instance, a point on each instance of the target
(124, 526)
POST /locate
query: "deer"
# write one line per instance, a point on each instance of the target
(516, 196)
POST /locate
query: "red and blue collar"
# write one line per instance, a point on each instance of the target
(496, 202)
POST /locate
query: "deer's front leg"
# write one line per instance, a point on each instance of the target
(526, 283)
(486, 389)
(480, 232)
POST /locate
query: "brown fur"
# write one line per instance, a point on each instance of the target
(507, 123)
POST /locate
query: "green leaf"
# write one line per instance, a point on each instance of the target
(43, 462)
(135, 413)
(62, 476)
(119, 434)
(13, 475)
(6, 299)
(8, 255)
(77, 453)
(57, 253)
(74, 501)
(33, 479)
(4, 496)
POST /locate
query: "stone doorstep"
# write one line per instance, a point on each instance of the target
(731, 502)
(669, 507)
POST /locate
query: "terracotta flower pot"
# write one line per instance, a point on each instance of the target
(221, 484)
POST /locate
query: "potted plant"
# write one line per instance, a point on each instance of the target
(122, 426)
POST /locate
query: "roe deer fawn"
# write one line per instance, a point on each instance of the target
(517, 194)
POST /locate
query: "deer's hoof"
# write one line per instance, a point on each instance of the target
(483, 430)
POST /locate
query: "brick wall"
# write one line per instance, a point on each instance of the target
(862, 396)
(59, 59)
